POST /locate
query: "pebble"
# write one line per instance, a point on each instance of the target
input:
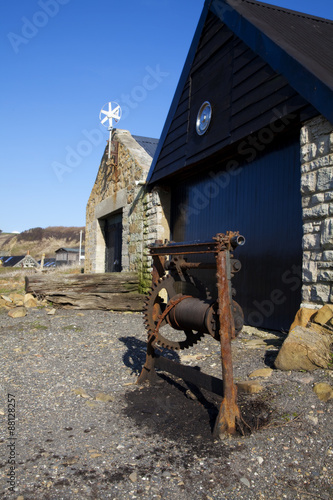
(261, 372)
(245, 481)
(74, 446)
(133, 477)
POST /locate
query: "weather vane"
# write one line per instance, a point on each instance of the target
(109, 112)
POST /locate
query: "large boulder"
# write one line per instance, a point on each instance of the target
(302, 318)
(305, 349)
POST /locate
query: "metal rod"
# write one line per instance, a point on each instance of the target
(229, 412)
(192, 265)
(110, 138)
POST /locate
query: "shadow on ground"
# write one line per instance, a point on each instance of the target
(174, 410)
(135, 356)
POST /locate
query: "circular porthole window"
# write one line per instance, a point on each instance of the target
(203, 118)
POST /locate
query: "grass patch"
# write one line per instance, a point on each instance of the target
(12, 281)
(72, 328)
(38, 326)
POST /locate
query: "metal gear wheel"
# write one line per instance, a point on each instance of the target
(164, 295)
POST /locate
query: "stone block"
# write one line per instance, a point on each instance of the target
(309, 271)
(305, 201)
(308, 152)
(308, 183)
(325, 265)
(325, 179)
(306, 293)
(320, 293)
(311, 241)
(304, 135)
(323, 145)
(317, 198)
(328, 255)
(319, 127)
(324, 161)
(316, 212)
(327, 234)
(316, 256)
(325, 276)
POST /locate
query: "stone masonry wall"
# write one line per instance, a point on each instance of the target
(317, 202)
(156, 206)
(143, 219)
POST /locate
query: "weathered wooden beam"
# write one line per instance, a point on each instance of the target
(109, 291)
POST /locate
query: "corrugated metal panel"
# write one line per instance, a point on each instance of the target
(262, 201)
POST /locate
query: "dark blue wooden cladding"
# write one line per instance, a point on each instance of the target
(246, 95)
(262, 201)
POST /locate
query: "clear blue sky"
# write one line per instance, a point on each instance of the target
(61, 61)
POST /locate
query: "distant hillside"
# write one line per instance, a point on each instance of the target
(38, 241)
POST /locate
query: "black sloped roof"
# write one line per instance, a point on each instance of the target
(11, 261)
(148, 144)
(308, 40)
(296, 45)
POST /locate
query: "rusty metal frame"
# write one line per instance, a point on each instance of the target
(221, 246)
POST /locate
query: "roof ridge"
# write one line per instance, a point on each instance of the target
(145, 137)
(289, 11)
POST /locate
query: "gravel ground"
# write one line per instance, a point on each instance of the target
(84, 430)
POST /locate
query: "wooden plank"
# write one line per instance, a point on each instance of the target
(243, 55)
(176, 144)
(254, 67)
(102, 301)
(99, 282)
(116, 291)
(268, 89)
(180, 130)
(222, 39)
(168, 167)
(258, 84)
(260, 114)
(291, 105)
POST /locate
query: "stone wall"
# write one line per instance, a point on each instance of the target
(317, 203)
(120, 187)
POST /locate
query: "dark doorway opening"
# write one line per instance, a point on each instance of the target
(113, 243)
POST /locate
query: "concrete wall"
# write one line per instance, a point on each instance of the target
(317, 203)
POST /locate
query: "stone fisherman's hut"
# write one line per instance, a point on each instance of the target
(122, 218)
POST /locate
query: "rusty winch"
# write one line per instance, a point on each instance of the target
(179, 310)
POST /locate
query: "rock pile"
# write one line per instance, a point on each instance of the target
(18, 304)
